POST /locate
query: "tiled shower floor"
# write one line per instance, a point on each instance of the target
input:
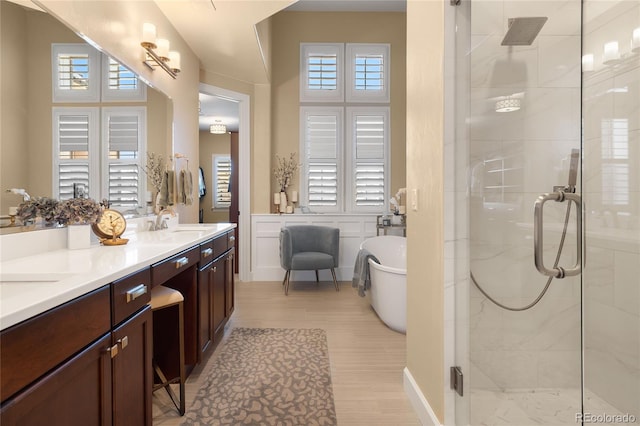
(524, 407)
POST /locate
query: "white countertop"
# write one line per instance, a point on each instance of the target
(33, 284)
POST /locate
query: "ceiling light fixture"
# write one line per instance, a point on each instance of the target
(508, 105)
(218, 129)
(157, 53)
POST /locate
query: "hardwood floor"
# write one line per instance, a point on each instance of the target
(366, 357)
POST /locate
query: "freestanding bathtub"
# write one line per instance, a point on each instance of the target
(388, 293)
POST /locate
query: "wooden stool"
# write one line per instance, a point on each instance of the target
(163, 298)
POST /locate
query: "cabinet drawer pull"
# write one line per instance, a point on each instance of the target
(113, 350)
(182, 262)
(207, 252)
(136, 292)
(123, 342)
(232, 238)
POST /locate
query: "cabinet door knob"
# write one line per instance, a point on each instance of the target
(182, 262)
(123, 342)
(207, 252)
(135, 292)
(232, 238)
(214, 269)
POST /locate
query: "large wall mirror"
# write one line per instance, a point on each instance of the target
(31, 149)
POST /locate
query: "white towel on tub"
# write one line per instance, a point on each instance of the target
(361, 275)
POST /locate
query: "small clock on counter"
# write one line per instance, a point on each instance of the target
(110, 227)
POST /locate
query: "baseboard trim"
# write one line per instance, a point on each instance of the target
(418, 401)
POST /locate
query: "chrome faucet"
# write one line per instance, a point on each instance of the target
(160, 222)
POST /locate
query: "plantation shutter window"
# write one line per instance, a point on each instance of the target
(222, 179)
(321, 78)
(119, 83)
(75, 144)
(345, 146)
(75, 73)
(123, 140)
(322, 148)
(367, 72)
(368, 128)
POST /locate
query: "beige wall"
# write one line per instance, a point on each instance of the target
(292, 28)
(211, 144)
(117, 28)
(13, 118)
(27, 118)
(425, 270)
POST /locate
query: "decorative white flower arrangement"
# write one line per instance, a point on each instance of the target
(284, 170)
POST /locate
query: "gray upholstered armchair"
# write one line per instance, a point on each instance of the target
(309, 247)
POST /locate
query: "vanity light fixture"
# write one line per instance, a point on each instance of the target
(635, 41)
(508, 105)
(218, 128)
(611, 54)
(157, 53)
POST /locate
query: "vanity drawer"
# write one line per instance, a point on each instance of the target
(35, 346)
(206, 252)
(163, 271)
(129, 294)
(219, 245)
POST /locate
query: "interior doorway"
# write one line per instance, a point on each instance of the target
(221, 107)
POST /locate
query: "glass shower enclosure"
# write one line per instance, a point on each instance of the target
(547, 134)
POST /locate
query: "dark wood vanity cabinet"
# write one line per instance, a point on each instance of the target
(215, 291)
(79, 364)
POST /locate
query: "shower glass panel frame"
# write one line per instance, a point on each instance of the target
(522, 104)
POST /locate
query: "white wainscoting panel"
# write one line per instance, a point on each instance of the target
(265, 244)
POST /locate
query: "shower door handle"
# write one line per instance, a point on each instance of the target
(559, 272)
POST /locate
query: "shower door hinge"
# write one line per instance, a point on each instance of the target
(457, 379)
(455, 2)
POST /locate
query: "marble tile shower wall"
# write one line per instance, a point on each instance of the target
(611, 109)
(514, 157)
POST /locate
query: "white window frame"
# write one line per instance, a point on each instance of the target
(216, 159)
(351, 114)
(338, 112)
(309, 95)
(141, 113)
(92, 94)
(114, 95)
(94, 147)
(354, 49)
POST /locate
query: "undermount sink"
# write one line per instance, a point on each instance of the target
(34, 277)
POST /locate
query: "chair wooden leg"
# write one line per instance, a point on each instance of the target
(317, 279)
(335, 282)
(286, 286)
(286, 274)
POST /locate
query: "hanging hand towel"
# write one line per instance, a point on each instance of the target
(164, 191)
(171, 188)
(187, 187)
(180, 192)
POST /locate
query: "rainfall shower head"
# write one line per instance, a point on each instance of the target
(522, 31)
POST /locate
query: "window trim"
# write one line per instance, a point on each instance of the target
(94, 146)
(92, 94)
(111, 95)
(338, 112)
(217, 158)
(353, 49)
(350, 114)
(141, 113)
(306, 95)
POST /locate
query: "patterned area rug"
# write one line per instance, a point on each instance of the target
(267, 376)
